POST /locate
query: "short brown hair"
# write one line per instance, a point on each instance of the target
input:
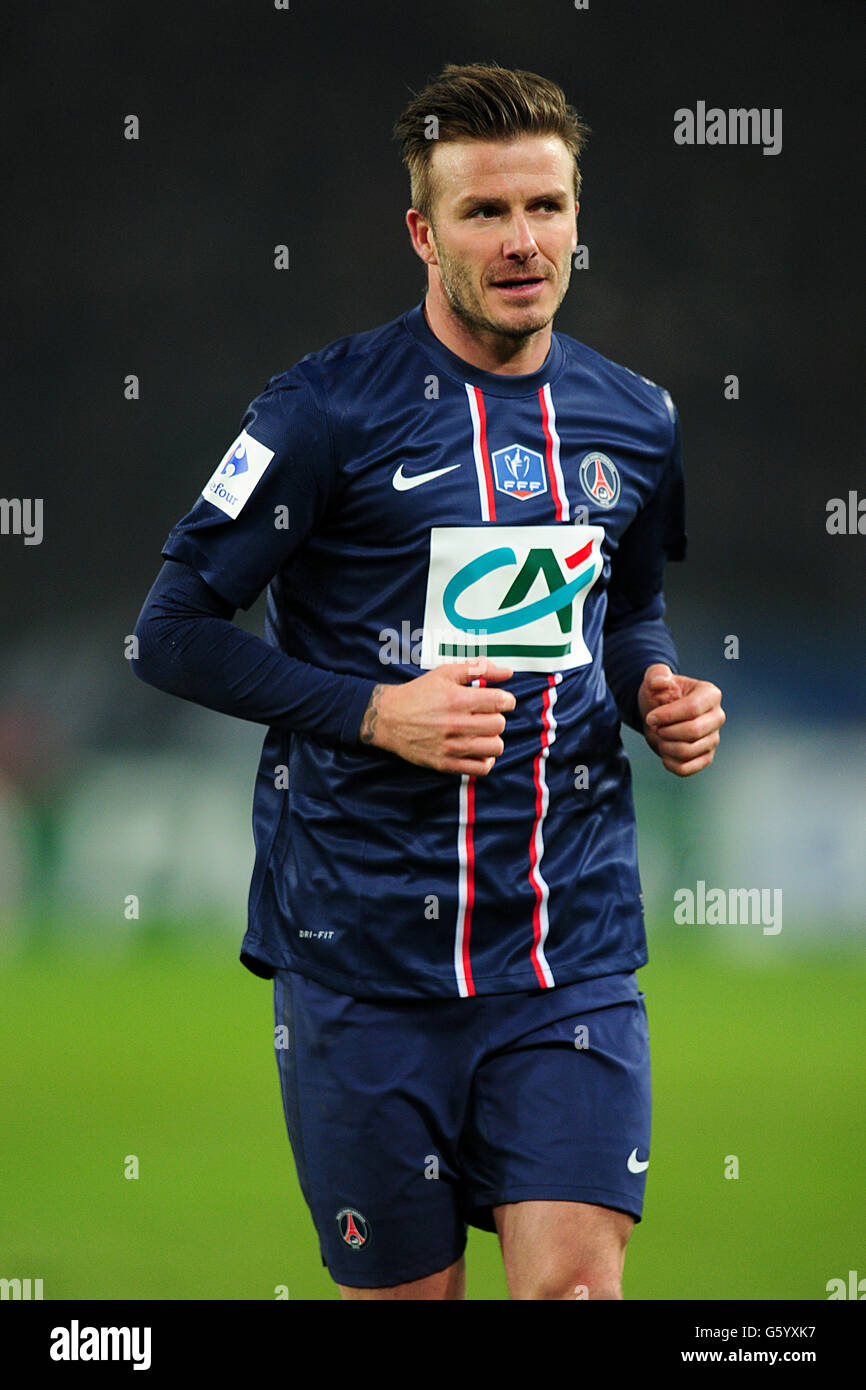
(482, 101)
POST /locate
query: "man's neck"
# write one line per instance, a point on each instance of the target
(492, 352)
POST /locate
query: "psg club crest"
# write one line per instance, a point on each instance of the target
(354, 1228)
(599, 478)
(519, 472)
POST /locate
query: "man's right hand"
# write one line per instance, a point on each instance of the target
(440, 719)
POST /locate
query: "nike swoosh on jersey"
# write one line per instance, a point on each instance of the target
(634, 1163)
(402, 484)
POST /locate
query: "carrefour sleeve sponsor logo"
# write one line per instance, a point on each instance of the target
(237, 474)
(512, 592)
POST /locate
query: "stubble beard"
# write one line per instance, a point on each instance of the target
(466, 306)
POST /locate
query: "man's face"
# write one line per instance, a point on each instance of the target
(503, 231)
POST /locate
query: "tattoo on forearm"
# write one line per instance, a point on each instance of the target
(371, 714)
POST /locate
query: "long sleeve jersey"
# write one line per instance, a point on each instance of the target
(403, 509)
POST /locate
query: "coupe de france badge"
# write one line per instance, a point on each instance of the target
(599, 478)
(515, 593)
(519, 472)
(236, 475)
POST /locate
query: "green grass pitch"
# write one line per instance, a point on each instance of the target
(167, 1054)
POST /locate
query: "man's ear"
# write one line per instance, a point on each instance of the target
(421, 232)
(574, 237)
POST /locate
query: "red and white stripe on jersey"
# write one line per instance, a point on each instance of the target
(466, 818)
(466, 857)
(483, 470)
(540, 923)
(481, 453)
(465, 880)
(465, 885)
(551, 453)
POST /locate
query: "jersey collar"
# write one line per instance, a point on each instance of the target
(491, 383)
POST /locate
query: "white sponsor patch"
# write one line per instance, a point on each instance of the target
(514, 593)
(237, 473)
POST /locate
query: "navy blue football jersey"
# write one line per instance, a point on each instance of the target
(405, 509)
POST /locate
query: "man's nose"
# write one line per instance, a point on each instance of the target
(518, 239)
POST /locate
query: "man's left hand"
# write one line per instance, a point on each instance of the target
(682, 718)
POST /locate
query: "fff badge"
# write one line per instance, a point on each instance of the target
(515, 593)
(519, 472)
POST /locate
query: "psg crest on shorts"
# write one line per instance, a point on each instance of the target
(599, 478)
(519, 472)
(354, 1228)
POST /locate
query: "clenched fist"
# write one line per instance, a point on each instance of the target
(682, 718)
(440, 719)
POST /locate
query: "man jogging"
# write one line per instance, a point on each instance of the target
(462, 520)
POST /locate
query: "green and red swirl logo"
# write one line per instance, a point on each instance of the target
(512, 611)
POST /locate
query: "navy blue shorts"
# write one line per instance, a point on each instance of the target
(411, 1119)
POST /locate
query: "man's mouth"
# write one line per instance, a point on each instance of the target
(517, 286)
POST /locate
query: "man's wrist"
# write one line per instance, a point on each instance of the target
(370, 731)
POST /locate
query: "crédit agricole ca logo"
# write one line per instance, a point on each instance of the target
(511, 592)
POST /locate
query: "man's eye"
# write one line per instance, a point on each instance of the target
(486, 211)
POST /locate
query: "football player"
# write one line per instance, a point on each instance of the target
(462, 520)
